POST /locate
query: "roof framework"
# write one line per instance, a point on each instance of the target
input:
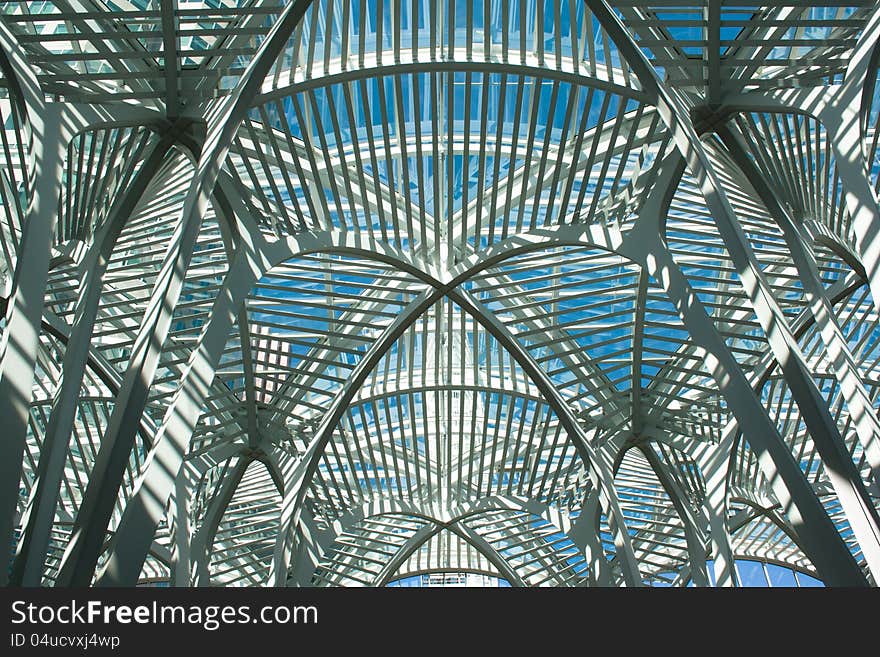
(343, 293)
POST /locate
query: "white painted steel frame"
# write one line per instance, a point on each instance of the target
(337, 293)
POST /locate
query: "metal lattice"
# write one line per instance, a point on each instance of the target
(344, 293)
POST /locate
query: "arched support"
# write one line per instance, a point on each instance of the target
(453, 519)
(52, 128)
(522, 243)
(842, 109)
(188, 477)
(413, 543)
(80, 558)
(858, 401)
(203, 539)
(854, 498)
(302, 473)
(822, 541)
(600, 476)
(459, 528)
(202, 543)
(693, 530)
(37, 522)
(254, 257)
(714, 463)
(482, 546)
(316, 542)
(258, 256)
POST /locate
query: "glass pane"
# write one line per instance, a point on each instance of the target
(751, 574)
(780, 576)
(807, 581)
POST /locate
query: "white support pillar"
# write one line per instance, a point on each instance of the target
(822, 542)
(585, 532)
(39, 516)
(713, 459)
(846, 371)
(81, 556)
(860, 512)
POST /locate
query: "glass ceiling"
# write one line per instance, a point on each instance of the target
(439, 292)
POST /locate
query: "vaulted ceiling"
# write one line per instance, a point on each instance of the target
(343, 293)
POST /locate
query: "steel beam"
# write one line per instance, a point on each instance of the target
(81, 556)
(862, 516)
(693, 528)
(37, 521)
(858, 401)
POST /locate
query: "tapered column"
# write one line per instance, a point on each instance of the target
(713, 459)
(850, 490)
(839, 467)
(81, 556)
(20, 342)
(820, 539)
(39, 516)
(147, 503)
(203, 539)
(585, 531)
(181, 563)
(696, 545)
(846, 371)
(822, 543)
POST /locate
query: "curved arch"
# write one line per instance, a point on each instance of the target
(862, 515)
(203, 539)
(32, 545)
(238, 527)
(406, 65)
(521, 247)
(650, 511)
(198, 550)
(454, 520)
(429, 528)
(438, 517)
(518, 244)
(446, 286)
(822, 235)
(255, 256)
(766, 512)
(81, 556)
(470, 267)
(694, 527)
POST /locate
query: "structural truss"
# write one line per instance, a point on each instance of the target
(343, 293)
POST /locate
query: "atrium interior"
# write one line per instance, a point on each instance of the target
(416, 293)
